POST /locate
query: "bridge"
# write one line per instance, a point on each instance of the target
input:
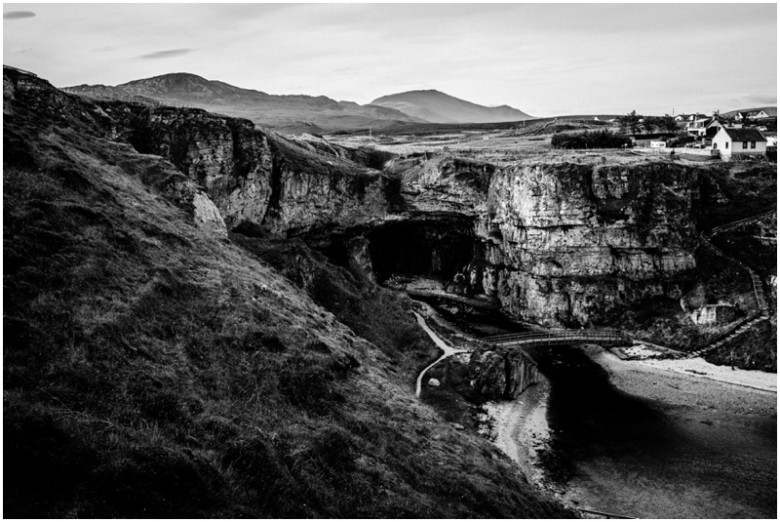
(557, 337)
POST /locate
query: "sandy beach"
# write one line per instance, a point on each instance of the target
(717, 418)
(692, 383)
(519, 428)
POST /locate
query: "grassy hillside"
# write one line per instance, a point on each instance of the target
(155, 368)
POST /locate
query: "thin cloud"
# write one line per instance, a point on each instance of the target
(168, 53)
(16, 15)
(762, 99)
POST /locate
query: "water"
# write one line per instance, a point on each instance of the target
(623, 454)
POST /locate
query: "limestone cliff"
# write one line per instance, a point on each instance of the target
(566, 243)
(553, 243)
(262, 183)
(27, 98)
(569, 243)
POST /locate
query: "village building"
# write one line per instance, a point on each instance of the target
(753, 115)
(698, 127)
(732, 142)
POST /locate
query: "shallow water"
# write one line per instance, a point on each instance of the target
(627, 455)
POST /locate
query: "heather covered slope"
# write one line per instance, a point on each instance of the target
(285, 113)
(154, 368)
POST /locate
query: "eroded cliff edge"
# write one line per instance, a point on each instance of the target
(554, 243)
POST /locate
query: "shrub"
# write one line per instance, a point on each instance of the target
(591, 140)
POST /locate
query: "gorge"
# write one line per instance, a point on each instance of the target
(553, 243)
(198, 300)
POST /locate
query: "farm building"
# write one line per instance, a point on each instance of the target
(731, 141)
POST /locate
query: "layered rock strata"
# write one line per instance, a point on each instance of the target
(556, 244)
(261, 182)
(568, 243)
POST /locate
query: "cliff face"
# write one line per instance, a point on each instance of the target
(566, 243)
(41, 119)
(553, 243)
(261, 182)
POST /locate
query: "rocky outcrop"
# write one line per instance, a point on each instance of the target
(567, 243)
(501, 373)
(556, 244)
(359, 260)
(487, 374)
(31, 105)
(261, 182)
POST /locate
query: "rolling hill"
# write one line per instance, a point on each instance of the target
(770, 110)
(285, 113)
(438, 107)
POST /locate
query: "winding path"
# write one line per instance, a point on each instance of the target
(446, 348)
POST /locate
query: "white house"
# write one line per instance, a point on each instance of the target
(698, 127)
(752, 115)
(731, 142)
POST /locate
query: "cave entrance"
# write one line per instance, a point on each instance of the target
(438, 249)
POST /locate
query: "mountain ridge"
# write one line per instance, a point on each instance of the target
(439, 107)
(292, 113)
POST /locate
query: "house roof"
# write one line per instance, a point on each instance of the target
(744, 134)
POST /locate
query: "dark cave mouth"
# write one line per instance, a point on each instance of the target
(437, 248)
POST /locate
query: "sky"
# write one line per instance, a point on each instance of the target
(544, 59)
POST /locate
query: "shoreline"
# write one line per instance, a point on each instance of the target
(692, 384)
(520, 429)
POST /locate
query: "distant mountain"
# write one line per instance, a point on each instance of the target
(438, 107)
(286, 113)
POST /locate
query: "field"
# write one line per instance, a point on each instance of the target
(497, 142)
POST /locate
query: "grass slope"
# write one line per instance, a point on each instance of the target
(154, 369)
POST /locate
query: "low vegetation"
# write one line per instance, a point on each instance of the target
(153, 369)
(603, 139)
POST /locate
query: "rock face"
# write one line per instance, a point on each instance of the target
(501, 373)
(359, 260)
(261, 182)
(569, 243)
(26, 98)
(566, 243)
(556, 244)
(487, 374)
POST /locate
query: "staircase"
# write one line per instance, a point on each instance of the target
(762, 306)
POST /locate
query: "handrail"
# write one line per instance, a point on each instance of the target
(555, 336)
(721, 336)
(554, 333)
(755, 279)
(604, 513)
(740, 222)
